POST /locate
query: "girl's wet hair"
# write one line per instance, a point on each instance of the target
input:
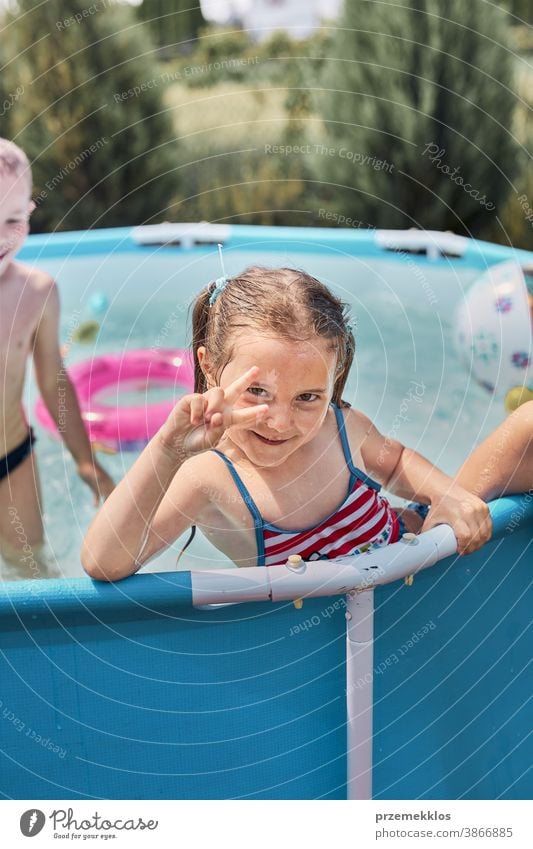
(283, 301)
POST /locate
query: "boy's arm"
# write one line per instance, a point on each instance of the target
(406, 473)
(503, 463)
(59, 395)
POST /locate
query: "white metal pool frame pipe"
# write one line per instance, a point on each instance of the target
(359, 692)
(350, 575)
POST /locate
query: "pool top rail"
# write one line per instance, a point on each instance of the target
(425, 246)
(149, 595)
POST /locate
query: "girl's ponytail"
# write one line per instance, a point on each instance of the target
(200, 320)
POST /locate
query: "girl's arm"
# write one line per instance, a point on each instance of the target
(121, 537)
(406, 473)
(162, 495)
(503, 463)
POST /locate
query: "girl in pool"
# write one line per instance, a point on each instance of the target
(265, 456)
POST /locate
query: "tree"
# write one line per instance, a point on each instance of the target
(91, 119)
(174, 24)
(417, 105)
(521, 11)
(8, 99)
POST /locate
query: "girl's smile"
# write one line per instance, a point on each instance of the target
(269, 441)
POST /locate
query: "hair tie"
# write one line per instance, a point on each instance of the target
(220, 282)
(220, 285)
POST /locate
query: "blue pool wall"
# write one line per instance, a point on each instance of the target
(125, 690)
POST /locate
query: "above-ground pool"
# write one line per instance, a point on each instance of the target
(143, 689)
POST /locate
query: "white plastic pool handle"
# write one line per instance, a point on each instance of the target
(323, 577)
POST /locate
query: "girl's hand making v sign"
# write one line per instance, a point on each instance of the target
(198, 422)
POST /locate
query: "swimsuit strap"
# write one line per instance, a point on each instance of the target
(356, 473)
(252, 507)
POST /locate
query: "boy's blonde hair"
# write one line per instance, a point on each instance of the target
(13, 160)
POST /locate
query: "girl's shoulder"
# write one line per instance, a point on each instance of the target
(199, 474)
(374, 453)
(358, 426)
(207, 480)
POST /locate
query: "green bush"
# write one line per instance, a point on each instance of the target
(220, 55)
(521, 11)
(417, 106)
(216, 43)
(514, 225)
(91, 119)
(173, 24)
(229, 55)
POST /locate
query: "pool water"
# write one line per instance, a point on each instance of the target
(406, 377)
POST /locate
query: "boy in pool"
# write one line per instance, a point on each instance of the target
(265, 456)
(29, 325)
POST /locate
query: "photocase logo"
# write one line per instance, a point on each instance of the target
(32, 822)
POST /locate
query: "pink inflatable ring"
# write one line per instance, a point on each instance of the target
(125, 428)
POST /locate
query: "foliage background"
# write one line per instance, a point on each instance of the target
(197, 141)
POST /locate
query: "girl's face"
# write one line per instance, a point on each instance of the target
(296, 380)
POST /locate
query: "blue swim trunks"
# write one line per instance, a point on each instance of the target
(421, 509)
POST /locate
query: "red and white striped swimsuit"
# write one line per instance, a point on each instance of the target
(364, 520)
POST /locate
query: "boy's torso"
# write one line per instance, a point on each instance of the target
(22, 298)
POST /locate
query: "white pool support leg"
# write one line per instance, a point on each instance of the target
(359, 692)
(356, 575)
